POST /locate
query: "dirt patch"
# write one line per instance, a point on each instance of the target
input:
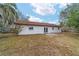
(64, 44)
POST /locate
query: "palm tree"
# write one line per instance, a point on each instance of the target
(10, 13)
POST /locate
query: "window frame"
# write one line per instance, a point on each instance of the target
(31, 28)
(58, 28)
(52, 28)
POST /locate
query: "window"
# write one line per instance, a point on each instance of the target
(52, 28)
(45, 29)
(58, 28)
(30, 28)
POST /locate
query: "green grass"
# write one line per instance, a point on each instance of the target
(33, 45)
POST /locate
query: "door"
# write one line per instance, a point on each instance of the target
(45, 30)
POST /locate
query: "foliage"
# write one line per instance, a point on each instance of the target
(10, 14)
(70, 16)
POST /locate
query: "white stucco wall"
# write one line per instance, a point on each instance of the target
(54, 30)
(36, 30)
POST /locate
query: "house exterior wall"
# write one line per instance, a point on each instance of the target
(53, 30)
(37, 30)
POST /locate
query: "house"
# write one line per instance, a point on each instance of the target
(28, 27)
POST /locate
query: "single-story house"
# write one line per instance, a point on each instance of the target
(29, 27)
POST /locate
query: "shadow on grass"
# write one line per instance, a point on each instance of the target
(3, 37)
(6, 36)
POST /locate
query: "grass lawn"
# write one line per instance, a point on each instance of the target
(36, 45)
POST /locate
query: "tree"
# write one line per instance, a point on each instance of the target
(70, 16)
(10, 14)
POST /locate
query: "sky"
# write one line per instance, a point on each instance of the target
(41, 12)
